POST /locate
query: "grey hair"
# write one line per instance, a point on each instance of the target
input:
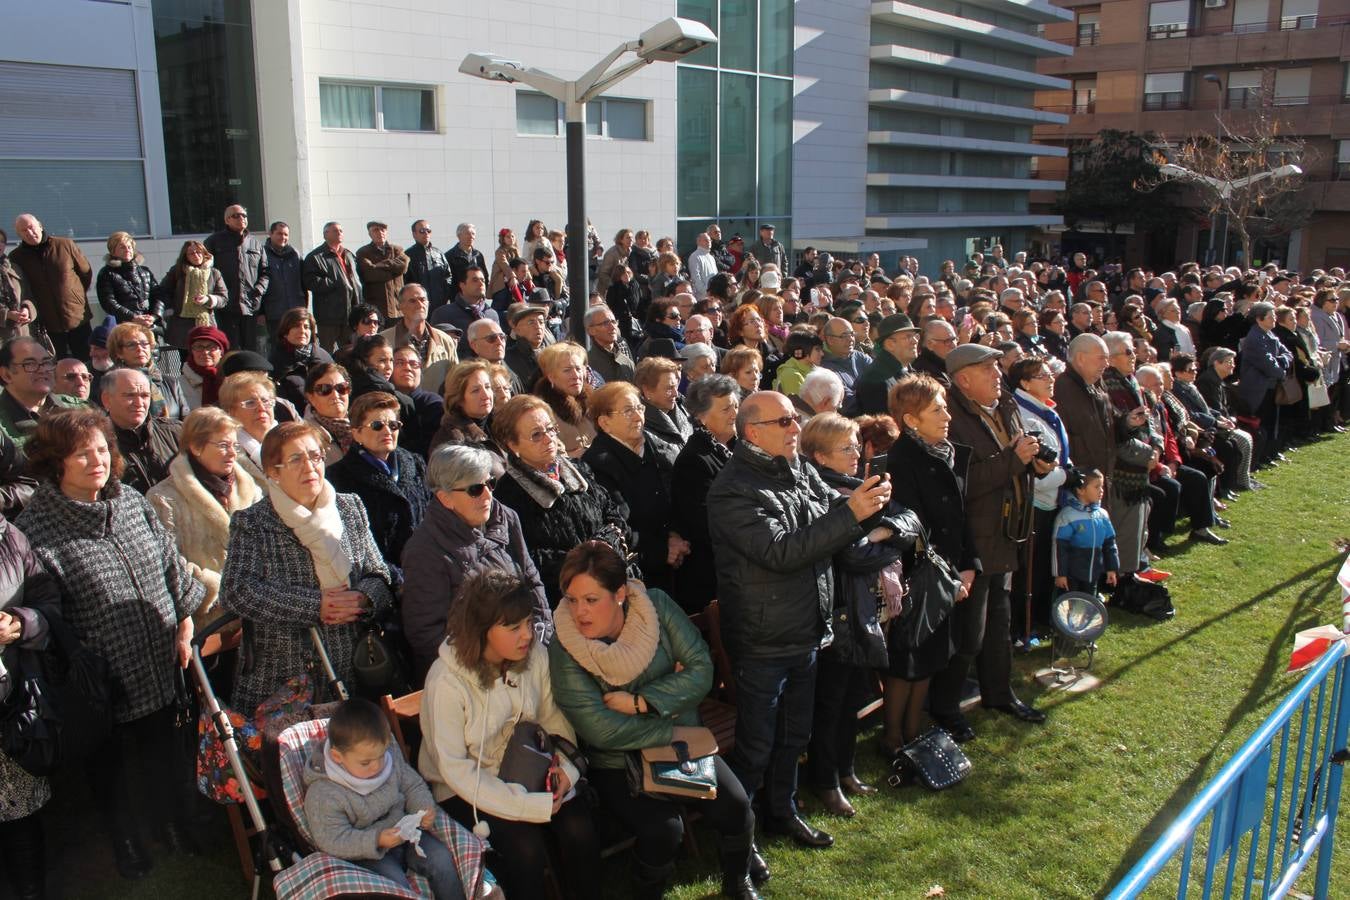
(822, 384)
(477, 328)
(1118, 341)
(455, 465)
(1085, 342)
(1010, 292)
(701, 394)
(1220, 355)
(592, 312)
(112, 379)
(1148, 371)
(462, 227)
(1261, 310)
(695, 352)
(934, 325)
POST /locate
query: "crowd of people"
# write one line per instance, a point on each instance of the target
(408, 437)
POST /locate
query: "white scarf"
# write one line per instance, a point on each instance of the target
(320, 530)
(621, 661)
(362, 786)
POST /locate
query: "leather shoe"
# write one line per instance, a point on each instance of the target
(1230, 496)
(1020, 711)
(132, 863)
(1221, 522)
(957, 726)
(836, 804)
(1256, 485)
(759, 868)
(1205, 536)
(177, 838)
(799, 830)
(855, 788)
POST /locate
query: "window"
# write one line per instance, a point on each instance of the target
(1298, 15)
(1089, 28)
(1292, 86)
(1342, 159)
(1169, 19)
(608, 117)
(1084, 96)
(1165, 90)
(1244, 89)
(376, 107)
(1250, 16)
(71, 149)
(736, 146)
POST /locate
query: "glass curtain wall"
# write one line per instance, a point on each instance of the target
(735, 122)
(208, 94)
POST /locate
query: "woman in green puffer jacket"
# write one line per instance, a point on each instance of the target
(627, 667)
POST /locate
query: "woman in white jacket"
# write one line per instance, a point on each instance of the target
(491, 673)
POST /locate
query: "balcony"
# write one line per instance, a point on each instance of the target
(911, 58)
(969, 145)
(1170, 30)
(1156, 102)
(938, 220)
(907, 15)
(1089, 35)
(1163, 32)
(964, 182)
(955, 106)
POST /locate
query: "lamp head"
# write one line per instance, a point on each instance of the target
(491, 68)
(673, 39)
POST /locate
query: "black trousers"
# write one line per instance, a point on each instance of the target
(841, 690)
(1042, 584)
(980, 632)
(523, 849)
(143, 772)
(73, 343)
(1190, 493)
(242, 330)
(656, 823)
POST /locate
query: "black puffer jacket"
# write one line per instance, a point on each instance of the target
(859, 639)
(284, 287)
(934, 491)
(128, 289)
(556, 515)
(668, 429)
(395, 503)
(441, 554)
(695, 468)
(240, 260)
(644, 483)
(775, 528)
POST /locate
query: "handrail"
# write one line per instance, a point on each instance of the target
(1186, 823)
(1318, 22)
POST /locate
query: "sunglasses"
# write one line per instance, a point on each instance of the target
(476, 490)
(379, 425)
(781, 421)
(342, 389)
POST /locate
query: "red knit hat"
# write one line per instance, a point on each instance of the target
(209, 333)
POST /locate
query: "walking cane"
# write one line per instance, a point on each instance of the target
(1030, 567)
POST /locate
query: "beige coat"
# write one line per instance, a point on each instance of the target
(200, 524)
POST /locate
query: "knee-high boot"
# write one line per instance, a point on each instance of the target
(734, 853)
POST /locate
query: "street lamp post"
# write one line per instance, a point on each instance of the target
(666, 41)
(1225, 188)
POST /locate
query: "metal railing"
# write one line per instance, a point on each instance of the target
(1245, 822)
(1284, 23)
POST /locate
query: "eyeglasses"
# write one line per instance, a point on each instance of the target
(238, 215)
(538, 437)
(379, 425)
(372, 320)
(495, 338)
(342, 389)
(313, 457)
(713, 309)
(253, 403)
(476, 490)
(1044, 376)
(781, 421)
(850, 449)
(847, 335)
(78, 376)
(605, 323)
(410, 362)
(226, 447)
(424, 231)
(38, 365)
(135, 345)
(203, 347)
(630, 411)
(672, 316)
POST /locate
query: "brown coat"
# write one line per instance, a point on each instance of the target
(381, 274)
(993, 480)
(58, 276)
(1086, 413)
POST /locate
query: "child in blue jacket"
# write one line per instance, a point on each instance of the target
(1085, 542)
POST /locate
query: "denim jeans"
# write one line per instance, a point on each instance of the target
(774, 701)
(438, 866)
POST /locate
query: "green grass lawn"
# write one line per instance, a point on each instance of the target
(1059, 811)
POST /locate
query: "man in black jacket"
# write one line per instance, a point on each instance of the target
(240, 260)
(774, 526)
(147, 443)
(428, 266)
(330, 275)
(464, 255)
(284, 288)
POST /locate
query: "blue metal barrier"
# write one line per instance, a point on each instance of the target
(1244, 819)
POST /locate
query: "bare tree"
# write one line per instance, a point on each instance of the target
(1249, 171)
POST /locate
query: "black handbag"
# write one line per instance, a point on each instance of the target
(932, 758)
(933, 585)
(376, 666)
(59, 708)
(530, 754)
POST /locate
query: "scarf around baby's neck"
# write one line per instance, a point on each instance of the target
(363, 786)
(319, 530)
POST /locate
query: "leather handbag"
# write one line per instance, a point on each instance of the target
(60, 707)
(932, 758)
(375, 666)
(933, 584)
(528, 757)
(1289, 391)
(684, 769)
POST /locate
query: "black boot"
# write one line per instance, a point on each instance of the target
(129, 854)
(734, 854)
(23, 851)
(649, 882)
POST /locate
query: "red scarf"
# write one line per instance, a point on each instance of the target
(210, 382)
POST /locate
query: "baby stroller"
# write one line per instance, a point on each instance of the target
(319, 875)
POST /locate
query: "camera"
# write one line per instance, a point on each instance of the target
(1047, 454)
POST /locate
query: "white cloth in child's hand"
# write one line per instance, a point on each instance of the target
(410, 829)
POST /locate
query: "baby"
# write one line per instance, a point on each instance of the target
(357, 788)
(1085, 542)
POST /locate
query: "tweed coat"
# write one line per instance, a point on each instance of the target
(269, 580)
(124, 586)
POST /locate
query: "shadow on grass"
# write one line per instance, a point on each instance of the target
(1276, 659)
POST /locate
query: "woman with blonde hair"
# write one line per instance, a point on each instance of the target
(566, 388)
(250, 398)
(127, 289)
(469, 401)
(191, 290)
(131, 345)
(205, 487)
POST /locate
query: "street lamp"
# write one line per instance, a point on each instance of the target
(1224, 188)
(666, 41)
